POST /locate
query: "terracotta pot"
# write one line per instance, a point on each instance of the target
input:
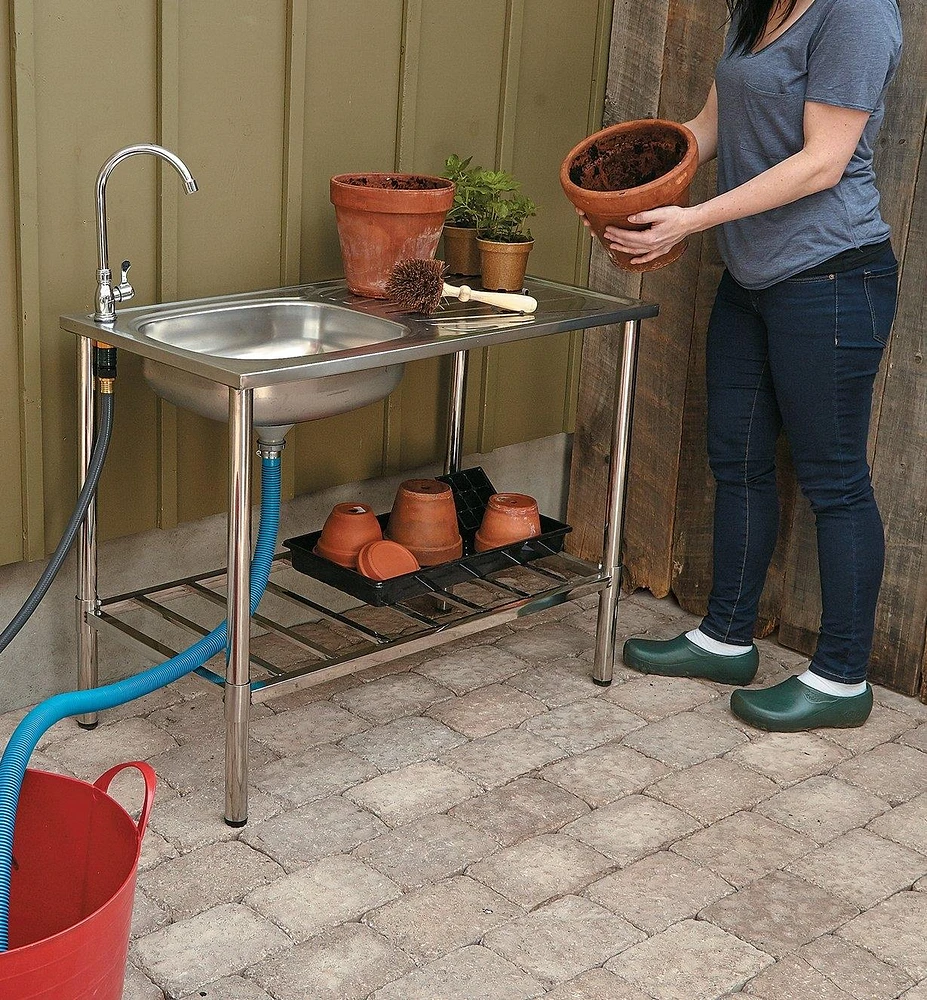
(385, 218)
(382, 560)
(461, 252)
(630, 168)
(508, 518)
(347, 529)
(503, 264)
(424, 520)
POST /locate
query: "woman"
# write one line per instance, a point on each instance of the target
(801, 316)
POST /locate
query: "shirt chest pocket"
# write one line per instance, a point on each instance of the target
(772, 122)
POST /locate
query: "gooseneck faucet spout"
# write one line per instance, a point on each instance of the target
(108, 295)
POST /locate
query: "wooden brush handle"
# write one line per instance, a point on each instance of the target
(512, 301)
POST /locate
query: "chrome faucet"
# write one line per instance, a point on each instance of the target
(107, 294)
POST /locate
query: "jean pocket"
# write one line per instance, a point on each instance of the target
(881, 285)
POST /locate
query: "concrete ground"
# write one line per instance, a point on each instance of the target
(484, 823)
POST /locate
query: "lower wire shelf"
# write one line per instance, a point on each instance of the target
(306, 633)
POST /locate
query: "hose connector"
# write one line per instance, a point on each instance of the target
(270, 450)
(104, 365)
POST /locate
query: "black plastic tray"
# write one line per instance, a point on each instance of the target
(469, 487)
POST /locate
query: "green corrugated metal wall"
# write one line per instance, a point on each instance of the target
(264, 101)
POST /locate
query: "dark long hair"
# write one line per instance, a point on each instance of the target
(749, 18)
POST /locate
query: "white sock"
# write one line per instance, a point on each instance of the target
(836, 688)
(698, 638)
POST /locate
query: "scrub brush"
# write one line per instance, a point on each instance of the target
(418, 285)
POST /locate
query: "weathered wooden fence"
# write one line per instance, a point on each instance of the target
(661, 62)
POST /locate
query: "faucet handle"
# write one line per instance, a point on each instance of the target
(124, 291)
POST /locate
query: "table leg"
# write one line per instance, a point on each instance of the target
(237, 672)
(456, 414)
(614, 512)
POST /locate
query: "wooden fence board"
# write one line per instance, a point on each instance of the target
(897, 164)
(900, 473)
(693, 42)
(635, 66)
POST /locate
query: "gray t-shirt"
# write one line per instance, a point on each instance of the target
(839, 52)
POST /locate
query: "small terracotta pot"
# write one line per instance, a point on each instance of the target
(424, 520)
(630, 168)
(347, 529)
(461, 252)
(504, 264)
(508, 518)
(383, 559)
(385, 218)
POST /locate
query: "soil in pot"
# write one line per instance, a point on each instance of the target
(628, 160)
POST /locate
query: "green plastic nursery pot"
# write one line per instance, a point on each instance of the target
(630, 168)
(75, 857)
(385, 218)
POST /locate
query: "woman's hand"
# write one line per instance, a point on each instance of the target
(666, 227)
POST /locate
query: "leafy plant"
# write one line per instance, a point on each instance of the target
(503, 219)
(488, 200)
(470, 194)
(474, 188)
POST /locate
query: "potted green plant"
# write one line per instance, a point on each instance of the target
(471, 192)
(503, 240)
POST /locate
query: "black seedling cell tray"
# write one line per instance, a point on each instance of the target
(472, 489)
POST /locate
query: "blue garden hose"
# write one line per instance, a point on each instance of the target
(41, 718)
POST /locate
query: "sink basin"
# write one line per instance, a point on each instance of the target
(270, 330)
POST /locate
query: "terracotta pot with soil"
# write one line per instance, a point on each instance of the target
(630, 168)
(384, 218)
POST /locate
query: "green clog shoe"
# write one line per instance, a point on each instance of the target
(680, 657)
(792, 707)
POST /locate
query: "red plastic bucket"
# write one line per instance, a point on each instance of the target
(75, 855)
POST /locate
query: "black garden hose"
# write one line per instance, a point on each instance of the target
(97, 458)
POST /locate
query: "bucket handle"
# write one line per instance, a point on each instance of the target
(151, 782)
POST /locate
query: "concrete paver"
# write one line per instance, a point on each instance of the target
(562, 939)
(523, 808)
(497, 759)
(779, 912)
(427, 850)
(328, 892)
(862, 867)
(464, 975)
(823, 807)
(481, 822)
(631, 827)
(435, 920)
(536, 870)
(659, 890)
(713, 789)
(692, 960)
(604, 774)
(893, 931)
(744, 847)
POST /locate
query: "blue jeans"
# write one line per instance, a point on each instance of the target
(801, 356)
